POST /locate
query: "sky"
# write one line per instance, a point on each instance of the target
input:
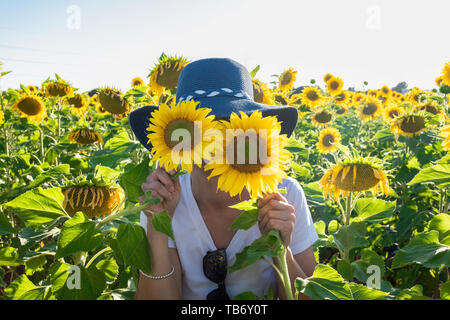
(95, 43)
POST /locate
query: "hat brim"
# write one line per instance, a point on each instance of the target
(222, 108)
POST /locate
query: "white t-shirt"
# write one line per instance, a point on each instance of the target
(193, 240)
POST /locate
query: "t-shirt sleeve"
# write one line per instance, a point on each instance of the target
(143, 222)
(304, 234)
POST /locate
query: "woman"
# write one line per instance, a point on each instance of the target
(194, 265)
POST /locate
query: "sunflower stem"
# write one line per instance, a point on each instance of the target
(59, 118)
(284, 270)
(348, 209)
(41, 144)
(96, 256)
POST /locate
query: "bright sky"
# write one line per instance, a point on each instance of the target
(93, 43)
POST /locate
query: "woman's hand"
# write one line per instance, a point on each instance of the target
(276, 213)
(163, 187)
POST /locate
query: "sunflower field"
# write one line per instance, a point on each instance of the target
(373, 163)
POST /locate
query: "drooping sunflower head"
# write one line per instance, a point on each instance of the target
(137, 82)
(58, 88)
(31, 107)
(78, 104)
(112, 101)
(93, 201)
(356, 175)
(391, 112)
(414, 95)
(311, 97)
(287, 79)
(430, 107)
(84, 136)
(322, 118)
(261, 93)
(179, 134)
(166, 72)
(446, 74)
(335, 86)
(409, 124)
(328, 138)
(370, 110)
(252, 156)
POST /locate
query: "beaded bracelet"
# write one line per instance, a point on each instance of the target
(158, 277)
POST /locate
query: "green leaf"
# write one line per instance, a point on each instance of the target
(445, 291)
(245, 205)
(19, 287)
(269, 245)
(132, 180)
(345, 269)
(424, 249)
(351, 236)
(163, 223)
(134, 246)
(5, 225)
(38, 206)
(325, 283)
(441, 223)
(105, 175)
(247, 295)
(333, 226)
(361, 292)
(53, 173)
(92, 282)
(246, 220)
(9, 256)
(254, 71)
(109, 267)
(77, 235)
(438, 174)
(374, 210)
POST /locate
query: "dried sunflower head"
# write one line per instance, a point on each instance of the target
(113, 101)
(85, 136)
(58, 88)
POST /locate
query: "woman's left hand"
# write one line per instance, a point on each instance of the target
(276, 213)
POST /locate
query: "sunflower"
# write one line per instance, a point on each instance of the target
(287, 79)
(342, 110)
(414, 95)
(311, 97)
(100, 109)
(280, 97)
(356, 175)
(335, 86)
(327, 77)
(2, 117)
(358, 98)
(94, 201)
(343, 98)
(327, 139)
(31, 107)
(112, 101)
(295, 100)
(261, 93)
(322, 118)
(438, 81)
(370, 110)
(78, 104)
(165, 73)
(85, 136)
(429, 107)
(252, 137)
(409, 124)
(386, 91)
(167, 121)
(58, 89)
(445, 133)
(32, 89)
(391, 112)
(446, 74)
(137, 82)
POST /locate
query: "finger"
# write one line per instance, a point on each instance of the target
(262, 201)
(157, 186)
(165, 179)
(274, 204)
(281, 215)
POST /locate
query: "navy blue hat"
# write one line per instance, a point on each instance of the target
(223, 85)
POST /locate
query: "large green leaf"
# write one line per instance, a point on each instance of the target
(269, 245)
(5, 225)
(53, 173)
(77, 235)
(424, 249)
(374, 210)
(132, 180)
(9, 256)
(441, 223)
(134, 246)
(361, 292)
(245, 220)
(351, 236)
(39, 206)
(163, 223)
(438, 174)
(92, 282)
(19, 287)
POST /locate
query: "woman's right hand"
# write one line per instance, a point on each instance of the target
(163, 187)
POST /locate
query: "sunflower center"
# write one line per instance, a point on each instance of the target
(430, 109)
(328, 140)
(113, 102)
(249, 150)
(412, 124)
(280, 99)
(30, 106)
(334, 85)
(323, 117)
(393, 114)
(168, 74)
(285, 78)
(340, 97)
(359, 177)
(258, 93)
(370, 108)
(76, 102)
(312, 95)
(187, 129)
(341, 111)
